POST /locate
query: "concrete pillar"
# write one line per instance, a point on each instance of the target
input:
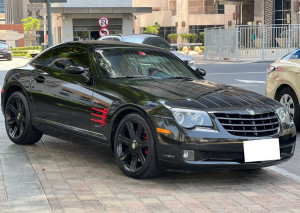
(67, 29)
(127, 24)
(182, 16)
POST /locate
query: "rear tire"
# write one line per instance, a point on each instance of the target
(288, 98)
(134, 147)
(18, 121)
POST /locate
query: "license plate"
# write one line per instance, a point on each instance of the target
(261, 150)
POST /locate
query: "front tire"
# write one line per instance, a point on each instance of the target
(134, 147)
(288, 98)
(18, 121)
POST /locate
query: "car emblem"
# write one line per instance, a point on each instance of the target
(251, 112)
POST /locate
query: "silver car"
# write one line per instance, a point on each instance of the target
(151, 40)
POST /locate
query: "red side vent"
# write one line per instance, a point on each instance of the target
(99, 113)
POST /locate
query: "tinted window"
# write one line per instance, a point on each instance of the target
(43, 60)
(158, 42)
(69, 56)
(131, 62)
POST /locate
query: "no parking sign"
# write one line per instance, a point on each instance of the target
(104, 32)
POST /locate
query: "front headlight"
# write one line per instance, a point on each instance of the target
(283, 115)
(191, 118)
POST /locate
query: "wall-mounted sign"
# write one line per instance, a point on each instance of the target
(103, 21)
(104, 32)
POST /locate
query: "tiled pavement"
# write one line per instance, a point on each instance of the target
(79, 176)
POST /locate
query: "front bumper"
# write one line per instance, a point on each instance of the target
(214, 148)
(4, 55)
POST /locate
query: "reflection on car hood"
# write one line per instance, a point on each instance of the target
(203, 94)
(182, 56)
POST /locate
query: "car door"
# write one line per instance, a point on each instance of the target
(66, 98)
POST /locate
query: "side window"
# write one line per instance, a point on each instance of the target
(44, 60)
(70, 56)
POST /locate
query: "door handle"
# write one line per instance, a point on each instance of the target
(39, 79)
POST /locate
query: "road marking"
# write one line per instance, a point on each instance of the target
(235, 73)
(285, 173)
(251, 81)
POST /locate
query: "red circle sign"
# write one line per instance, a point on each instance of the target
(104, 32)
(103, 21)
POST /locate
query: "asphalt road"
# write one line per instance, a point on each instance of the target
(250, 77)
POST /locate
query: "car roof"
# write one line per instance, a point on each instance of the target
(107, 43)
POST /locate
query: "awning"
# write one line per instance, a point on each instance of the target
(11, 36)
(89, 10)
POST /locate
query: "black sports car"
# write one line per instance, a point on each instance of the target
(149, 106)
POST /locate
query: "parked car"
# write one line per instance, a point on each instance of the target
(5, 52)
(283, 83)
(151, 108)
(151, 40)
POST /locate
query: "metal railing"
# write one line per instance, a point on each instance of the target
(259, 42)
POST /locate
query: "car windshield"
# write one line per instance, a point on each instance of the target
(129, 62)
(3, 45)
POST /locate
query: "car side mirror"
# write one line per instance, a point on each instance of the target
(175, 47)
(74, 69)
(201, 72)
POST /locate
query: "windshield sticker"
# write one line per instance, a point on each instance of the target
(142, 53)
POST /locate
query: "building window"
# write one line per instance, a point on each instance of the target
(2, 6)
(221, 9)
(202, 7)
(282, 12)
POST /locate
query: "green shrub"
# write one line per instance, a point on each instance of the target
(184, 37)
(22, 51)
(173, 37)
(201, 37)
(28, 55)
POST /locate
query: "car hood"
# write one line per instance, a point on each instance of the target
(201, 94)
(182, 56)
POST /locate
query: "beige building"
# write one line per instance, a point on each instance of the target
(184, 16)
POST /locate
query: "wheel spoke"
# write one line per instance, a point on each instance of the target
(21, 128)
(139, 131)
(12, 109)
(13, 133)
(143, 143)
(133, 163)
(130, 129)
(19, 105)
(122, 139)
(11, 121)
(124, 155)
(141, 156)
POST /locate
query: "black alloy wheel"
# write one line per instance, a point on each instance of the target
(18, 121)
(134, 147)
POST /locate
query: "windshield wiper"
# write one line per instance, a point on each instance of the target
(134, 76)
(182, 77)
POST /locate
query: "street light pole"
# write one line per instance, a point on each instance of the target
(50, 36)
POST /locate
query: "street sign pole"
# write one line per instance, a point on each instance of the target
(50, 36)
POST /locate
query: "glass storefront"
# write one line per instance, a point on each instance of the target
(88, 29)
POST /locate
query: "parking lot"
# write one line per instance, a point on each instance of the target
(77, 176)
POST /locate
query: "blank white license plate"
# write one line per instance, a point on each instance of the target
(261, 150)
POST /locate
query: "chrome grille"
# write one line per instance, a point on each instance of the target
(257, 125)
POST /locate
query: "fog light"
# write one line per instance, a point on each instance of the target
(188, 155)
